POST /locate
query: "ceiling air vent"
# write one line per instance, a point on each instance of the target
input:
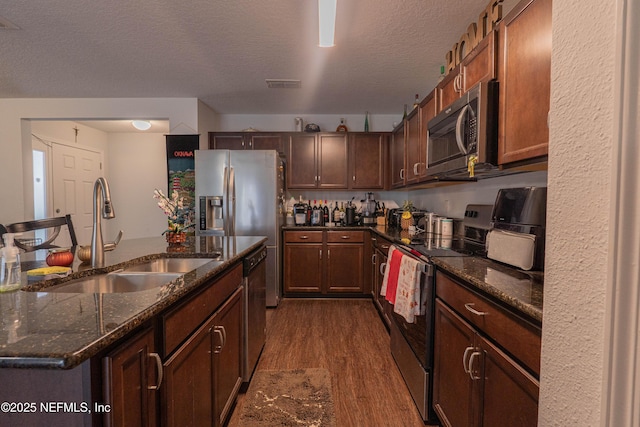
(283, 83)
(6, 25)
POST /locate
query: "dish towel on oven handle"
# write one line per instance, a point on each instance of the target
(401, 285)
(391, 273)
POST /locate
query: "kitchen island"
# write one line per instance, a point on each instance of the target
(68, 343)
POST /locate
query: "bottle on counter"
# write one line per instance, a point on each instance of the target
(335, 214)
(10, 271)
(325, 213)
(309, 213)
(342, 213)
(315, 214)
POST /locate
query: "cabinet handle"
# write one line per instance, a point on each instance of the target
(305, 237)
(242, 144)
(320, 254)
(159, 369)
(471, 359)
(218, 331)
(415, 168)
(345, 237)
(373, 259)
(328, 254)
(250, 144)
(469, 307)
(402, 173)
(383, 266)
(464, 359)
(354, 178)
(384, 247)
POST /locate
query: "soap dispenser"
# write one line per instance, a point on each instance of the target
(10, 272)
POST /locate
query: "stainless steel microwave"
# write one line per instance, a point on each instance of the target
(466, 128)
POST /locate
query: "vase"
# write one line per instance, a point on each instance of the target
(176, 238)
(405, 223)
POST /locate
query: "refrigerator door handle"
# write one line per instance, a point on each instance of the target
(225, 195)
(232, 195)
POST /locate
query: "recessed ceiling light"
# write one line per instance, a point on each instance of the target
(283, 83)
(141, 124)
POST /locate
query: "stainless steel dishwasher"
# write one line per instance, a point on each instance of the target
(255, 309)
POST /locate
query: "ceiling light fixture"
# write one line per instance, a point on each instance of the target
(327, 22)
(141, 124)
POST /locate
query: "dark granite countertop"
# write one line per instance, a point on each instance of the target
(42, 329)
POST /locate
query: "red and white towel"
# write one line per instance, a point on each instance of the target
(401, 284)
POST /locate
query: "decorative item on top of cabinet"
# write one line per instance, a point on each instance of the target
(342, 127)
(524, 72)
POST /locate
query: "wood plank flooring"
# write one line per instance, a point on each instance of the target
(346, 337)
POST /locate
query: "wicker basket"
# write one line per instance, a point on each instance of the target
(405, 223)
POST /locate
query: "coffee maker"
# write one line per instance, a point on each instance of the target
(368, 210)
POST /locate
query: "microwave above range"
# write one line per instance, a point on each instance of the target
(463, 138)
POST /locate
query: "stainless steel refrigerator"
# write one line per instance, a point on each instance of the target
(241, 193)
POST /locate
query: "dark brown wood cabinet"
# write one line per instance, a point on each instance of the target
(412, 147)
(130, 379)
(367, 155)
(324, 262)
(428, 110)
(317, 161)
(486, 361)
(248, 141)
(524, 73)
(398, 160)
(478, 66)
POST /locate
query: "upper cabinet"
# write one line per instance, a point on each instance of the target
(428, 110)
(412, 146)
(398, 160)
(248, 141)
(367, 154)
(318, 161)
(478, 66)
(524, 73)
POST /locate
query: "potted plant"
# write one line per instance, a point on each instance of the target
(179, 217)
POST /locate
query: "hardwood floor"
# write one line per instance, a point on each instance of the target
(346, 337)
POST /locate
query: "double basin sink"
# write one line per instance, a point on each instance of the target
(139, 277)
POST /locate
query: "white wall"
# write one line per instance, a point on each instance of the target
(15, 135)
(578, 218)
(286, 123)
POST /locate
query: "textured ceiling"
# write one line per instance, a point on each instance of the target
(222, 51)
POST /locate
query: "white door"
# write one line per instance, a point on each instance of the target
(75, 170)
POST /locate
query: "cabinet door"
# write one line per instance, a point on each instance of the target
(398, 157)
(227, 356)
(452, 387)
(510, 394)
(274, 141)
(366, 160)
(427, 112)
(187, 394)
(226, 141)
(332, 161)
(480, 64)
(301, 167)
(412, 146)
(302, 267)
(449, 89)
(525, 81)
(128, 373)
(344, 267)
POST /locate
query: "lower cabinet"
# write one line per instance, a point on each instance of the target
(476, 383)
(183, 370)
(131, 376)
(380, 251)
(203, 376)
(323, 262)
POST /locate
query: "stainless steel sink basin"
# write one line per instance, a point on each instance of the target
(169, 265)
(115, 283)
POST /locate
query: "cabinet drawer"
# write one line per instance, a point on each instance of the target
(303, 236)
(182, 321)
(516, 335)
(345, 236)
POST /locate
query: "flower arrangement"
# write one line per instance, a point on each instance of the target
(179, 216)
